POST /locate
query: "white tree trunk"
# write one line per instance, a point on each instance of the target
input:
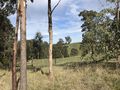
(50, 40)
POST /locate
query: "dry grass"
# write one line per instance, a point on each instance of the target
(68, 79)
(5, 80)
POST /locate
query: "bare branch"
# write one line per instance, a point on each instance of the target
(55, 6)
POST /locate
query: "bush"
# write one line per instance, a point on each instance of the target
(65, 51)
(74, 52)
(57, 52)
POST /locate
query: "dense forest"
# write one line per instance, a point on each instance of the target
(36, 64)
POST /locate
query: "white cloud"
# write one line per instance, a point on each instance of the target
(37, 18)
(65, 17)
(74, 9)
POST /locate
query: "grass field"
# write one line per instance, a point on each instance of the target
(59, 61)
(80, 78)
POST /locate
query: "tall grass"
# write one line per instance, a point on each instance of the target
(87, 78)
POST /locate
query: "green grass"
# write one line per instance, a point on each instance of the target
(59, 61)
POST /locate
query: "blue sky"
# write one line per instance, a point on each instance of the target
(65, 18)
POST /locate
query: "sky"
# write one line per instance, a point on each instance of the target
(66, 21)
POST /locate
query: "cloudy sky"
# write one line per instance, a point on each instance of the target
(65, 18)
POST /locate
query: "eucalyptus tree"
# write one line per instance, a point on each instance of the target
(21, 17)
(50, 12)
(96, 36)
(88, 27)
(14, 77)
(37, 44)
(7, 8)
(23, 61)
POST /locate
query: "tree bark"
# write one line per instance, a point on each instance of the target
(50, 40)
(23, 61)
(14, 77)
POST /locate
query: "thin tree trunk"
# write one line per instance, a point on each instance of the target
(50, 39)
(118, 10)
(23, 61)
(14, 77)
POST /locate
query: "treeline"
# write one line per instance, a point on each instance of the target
(38, 49)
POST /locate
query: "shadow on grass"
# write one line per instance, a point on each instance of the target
(99, 63)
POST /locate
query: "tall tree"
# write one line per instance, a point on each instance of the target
(97, 35)
(50, 11)
(38, 45)
(8, 7)
(14, 78)
(50, 39)
(23, 61)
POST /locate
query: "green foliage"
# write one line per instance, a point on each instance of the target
(112, 1)
(7, 7)
(37, 48)
(65, 51)
(37, 45)
(61, 49)
(99, 33)
(6, 40)
(57, 52)
(58, 49)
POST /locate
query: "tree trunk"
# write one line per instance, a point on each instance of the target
(23, 61)
(14, 77)
(50, 39)
(118, 10)
(118, 60)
